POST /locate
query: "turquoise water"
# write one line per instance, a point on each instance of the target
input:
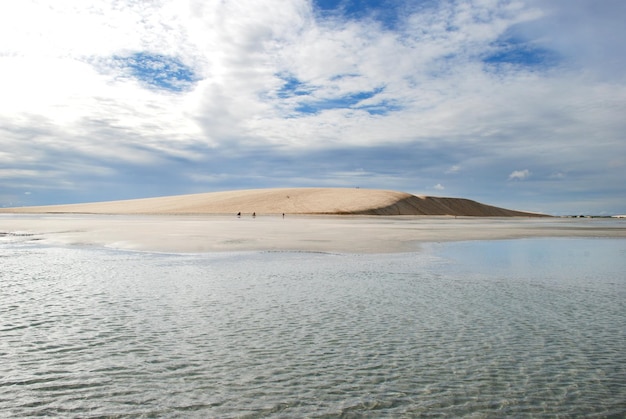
(525, 327)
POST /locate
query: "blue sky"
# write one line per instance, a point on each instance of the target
(515, 103)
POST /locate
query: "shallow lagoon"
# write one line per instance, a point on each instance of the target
(482, 328)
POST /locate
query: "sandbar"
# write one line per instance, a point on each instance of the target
(344, 234)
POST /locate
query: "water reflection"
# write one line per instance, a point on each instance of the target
(569, 259)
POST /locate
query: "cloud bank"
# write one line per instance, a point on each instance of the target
(110, 100)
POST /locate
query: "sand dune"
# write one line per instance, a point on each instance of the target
(289, 201)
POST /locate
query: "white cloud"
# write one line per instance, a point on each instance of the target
(424, 86)
(439, 187)
(519, 174)
(17, 173)
(433, 78)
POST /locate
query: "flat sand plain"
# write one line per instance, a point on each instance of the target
(345, 234)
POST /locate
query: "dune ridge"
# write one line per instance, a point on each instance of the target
(303, 201)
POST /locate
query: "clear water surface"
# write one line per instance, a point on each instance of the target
(526, 327)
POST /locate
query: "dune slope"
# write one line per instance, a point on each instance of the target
(288, 201)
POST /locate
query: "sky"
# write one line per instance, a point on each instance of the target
(515, 103)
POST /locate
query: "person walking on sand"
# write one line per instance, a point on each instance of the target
(253, 214)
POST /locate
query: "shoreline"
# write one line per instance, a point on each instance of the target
(316, 233)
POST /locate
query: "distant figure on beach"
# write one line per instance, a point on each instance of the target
(239, 214)
(283, 215)
(253, 214)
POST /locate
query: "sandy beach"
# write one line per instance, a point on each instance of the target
(294, 219)
(351, 234)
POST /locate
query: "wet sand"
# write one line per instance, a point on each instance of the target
(347, 234)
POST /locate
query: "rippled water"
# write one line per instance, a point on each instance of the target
(507, 328)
